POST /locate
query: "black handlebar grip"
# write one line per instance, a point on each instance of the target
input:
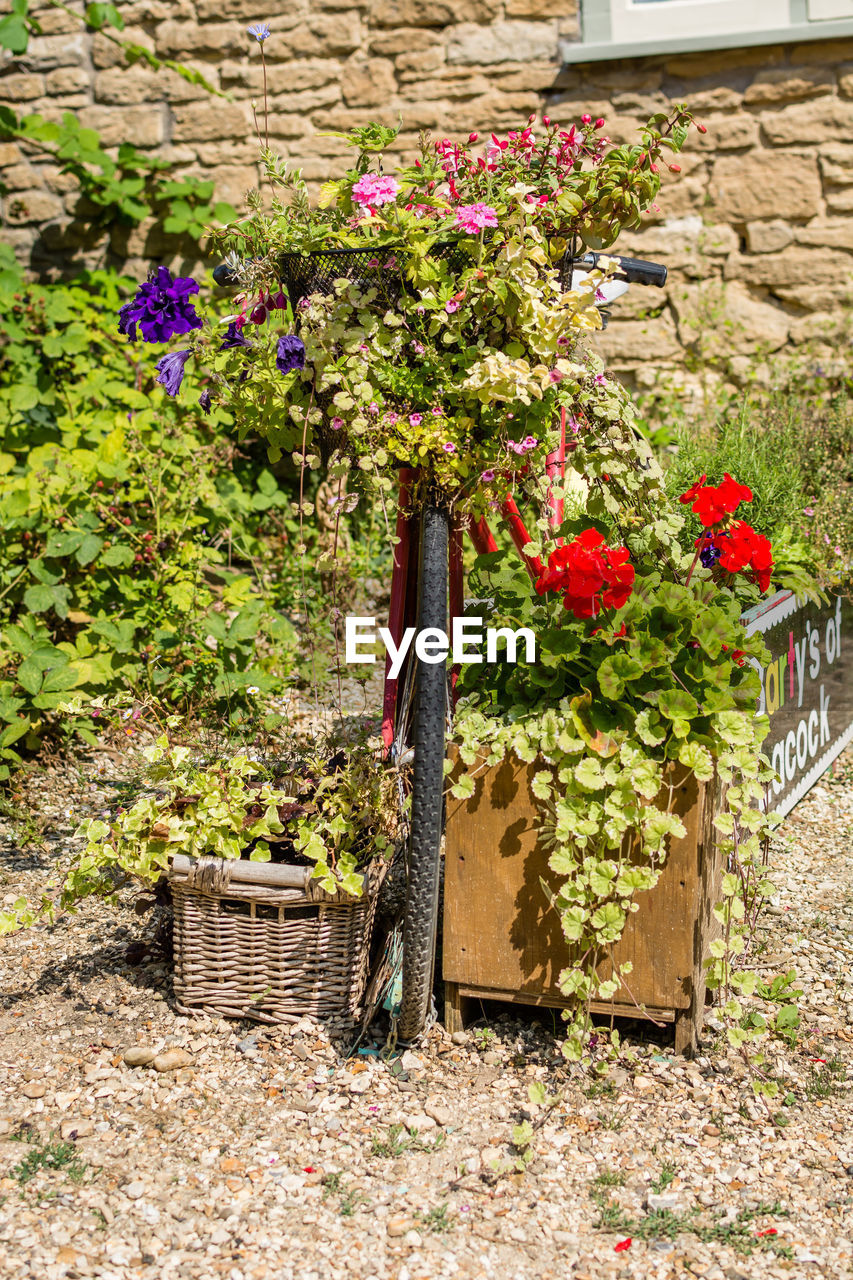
(224, 276)
(634, 270)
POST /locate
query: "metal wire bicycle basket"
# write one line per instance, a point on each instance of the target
(380, 269)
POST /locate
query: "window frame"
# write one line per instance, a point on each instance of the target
(598, 44)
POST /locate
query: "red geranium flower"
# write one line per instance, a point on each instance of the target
(623, 1245)
(590, 575)
(694, 490)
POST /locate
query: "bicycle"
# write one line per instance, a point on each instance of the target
(417, 703)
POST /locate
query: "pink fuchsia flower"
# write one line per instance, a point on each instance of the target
(373, 408)
(487, 476)
(838, 551)
(808, 511)
(336, 424)
(415, 419)
(555, 375)
(451, 305)
(573, 425)
(449, 446)
(475, 217)
(375, 189)
(418, 348)
(494, 152)
(600, 380)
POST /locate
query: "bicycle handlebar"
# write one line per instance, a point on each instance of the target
(634, 270)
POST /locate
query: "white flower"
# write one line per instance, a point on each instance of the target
(252, 688)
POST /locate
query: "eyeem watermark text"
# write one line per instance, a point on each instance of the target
(433, 645)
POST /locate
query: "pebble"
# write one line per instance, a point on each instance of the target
(398, 1226)
(139, 1055)
(34, 1089)
(172, 1060)
(135, 1190)
(460, 1037)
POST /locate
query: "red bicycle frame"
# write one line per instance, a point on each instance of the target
(482, 538)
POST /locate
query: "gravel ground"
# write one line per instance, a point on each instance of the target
(245, 1153)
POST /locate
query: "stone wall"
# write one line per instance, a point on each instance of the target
(757, 230)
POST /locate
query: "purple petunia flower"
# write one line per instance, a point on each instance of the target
(234, 338)
(290, 353)
(709, 555)
(161, 308)
(260, 31)
(205, 402)
(171, 370)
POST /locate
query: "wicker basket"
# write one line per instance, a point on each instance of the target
(263, 941)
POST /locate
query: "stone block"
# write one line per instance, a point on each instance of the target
(320, 36)
(541, 8)
(233, 181)
(143, 126)
(49, 52)
(403, 40)
(106, 54)
(283, 124)
(836, 163)
(226, 152)
(502, 42)
(10, 153)
(68, 80)
(640, 340)
(828, 233)
(796, 265)
(369, 82)
(820, 325)
(306, 73)
(763, 185)
(720, 98)
(23, 207)
(840, 200)
(210, 120)
(694, 65)
(531, 77)
(734, 132)
(820, 120)
(16, 89)
(816, 297)
(826, 52)
(124, 86)
(178, 39)
(22, 177)
(239, 10)
(308, 100)
(845, 81)
(420, 61)
(788, 84)
(717, 318)
(768, 237)
(471, 86)
(431, 13)
(633, 102)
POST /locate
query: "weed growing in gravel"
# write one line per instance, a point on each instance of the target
(600, 1089)
(664, 1224)
(609, 1178)
(399, 1139)
(484, 1037)
(613, 1123)
(436, 1219)
(349, 1198)
(826, 1079)
(667, 1173)
(45, 1154)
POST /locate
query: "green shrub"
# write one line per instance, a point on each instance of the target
(136, 542)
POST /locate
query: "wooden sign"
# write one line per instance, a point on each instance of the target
(806, 690)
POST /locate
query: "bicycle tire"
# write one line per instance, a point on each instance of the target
(420, 921)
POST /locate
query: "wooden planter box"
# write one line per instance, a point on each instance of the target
(502, 940)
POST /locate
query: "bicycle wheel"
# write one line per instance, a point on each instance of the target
(420, 921)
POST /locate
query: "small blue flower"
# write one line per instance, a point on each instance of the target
(290, 354)
(709, 555)
(171, 371)
(260, 31)
(204, 402)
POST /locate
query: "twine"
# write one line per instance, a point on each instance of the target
(210, 875)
